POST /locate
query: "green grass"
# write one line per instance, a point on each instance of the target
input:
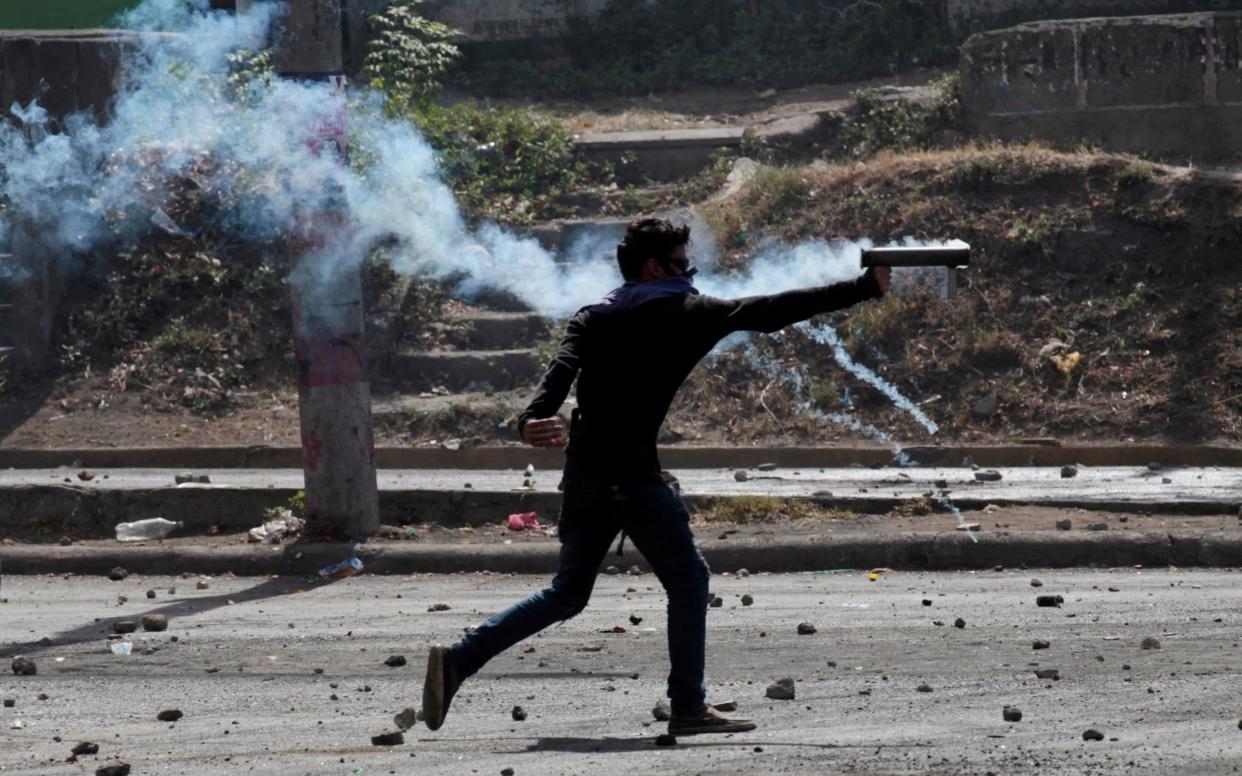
(61, 14)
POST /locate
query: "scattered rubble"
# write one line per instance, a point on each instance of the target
(1150, 643)
(988, 475)
(10, 703)
(439, 608)
(169, 715)
(1091, 734)
(24, 666)
(1036, 583)
(747, 599)
(1064, 524)
(782, 689)
(406, 719)
(959, 623)
(725, 706)
(1048, 673)
(395, 661)
(1041, 644)
(117, 574)
(612, 570)
(150, 594)
(806, 629)
(120, 769)
(1069, 471)
(1049, 600)
(716, 602)
(1097, 527)
(666, 739)
(924, 687)
(635, 619)
(202, 584)
(124, 626)
(86, 475)
(766, 467)
(85, 747)
(388, 738)
(661, 711)
(1011, 714)
(189, 477)
(518, 714)
(741, 475)
(154, 622)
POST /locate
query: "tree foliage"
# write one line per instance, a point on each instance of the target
(409, 55)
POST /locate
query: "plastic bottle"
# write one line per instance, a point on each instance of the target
(155, 528)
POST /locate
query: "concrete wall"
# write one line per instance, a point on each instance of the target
(68, 71)
(484, 23)
(991, 14)
(1163, 84)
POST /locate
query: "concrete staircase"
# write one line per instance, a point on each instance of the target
(494, 351)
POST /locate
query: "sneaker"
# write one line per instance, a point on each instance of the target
(439, 687)
(710, 721)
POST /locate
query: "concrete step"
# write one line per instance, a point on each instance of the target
(495, 330)
(467, 369)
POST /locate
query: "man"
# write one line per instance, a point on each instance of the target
(630, 353)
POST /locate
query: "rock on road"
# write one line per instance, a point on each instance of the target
(288, 676)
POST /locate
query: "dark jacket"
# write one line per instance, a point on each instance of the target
(629, 363)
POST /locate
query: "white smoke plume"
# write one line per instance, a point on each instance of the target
(179, 116)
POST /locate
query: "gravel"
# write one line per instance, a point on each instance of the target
(782, 690)
(388, 738)
(154, 622)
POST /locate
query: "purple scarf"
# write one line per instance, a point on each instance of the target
(633, 294)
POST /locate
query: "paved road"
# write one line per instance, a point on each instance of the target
(243, 672)
(1028, 485)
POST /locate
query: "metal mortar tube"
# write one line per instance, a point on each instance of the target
(956, 256)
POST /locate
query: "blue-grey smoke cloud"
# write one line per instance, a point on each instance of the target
(179, 116)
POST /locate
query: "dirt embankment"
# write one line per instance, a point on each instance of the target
(1103, 303)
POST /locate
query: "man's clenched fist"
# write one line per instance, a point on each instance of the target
(547, 432)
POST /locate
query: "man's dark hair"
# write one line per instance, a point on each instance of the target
(648, 238)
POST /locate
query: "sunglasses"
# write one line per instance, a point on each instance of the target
(684, 265)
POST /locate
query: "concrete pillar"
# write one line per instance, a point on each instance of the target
(338, 452)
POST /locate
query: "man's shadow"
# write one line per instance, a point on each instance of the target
(188, 607)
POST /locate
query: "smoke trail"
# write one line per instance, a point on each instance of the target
(827, 336)
(794, 378)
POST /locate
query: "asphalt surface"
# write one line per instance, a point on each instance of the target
(243, 672)
(1114, 485)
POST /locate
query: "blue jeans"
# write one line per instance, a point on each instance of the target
(592, 514)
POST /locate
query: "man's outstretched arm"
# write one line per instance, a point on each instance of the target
(539, 424)
(776, 311)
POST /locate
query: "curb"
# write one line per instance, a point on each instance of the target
(93, 513)
(1035, 453)
(913, 551)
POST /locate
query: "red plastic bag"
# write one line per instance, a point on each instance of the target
(525, 521)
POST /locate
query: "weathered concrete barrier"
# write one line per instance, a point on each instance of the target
(991, 14)
(1160, 84)
(659, 155)
(68, 71)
